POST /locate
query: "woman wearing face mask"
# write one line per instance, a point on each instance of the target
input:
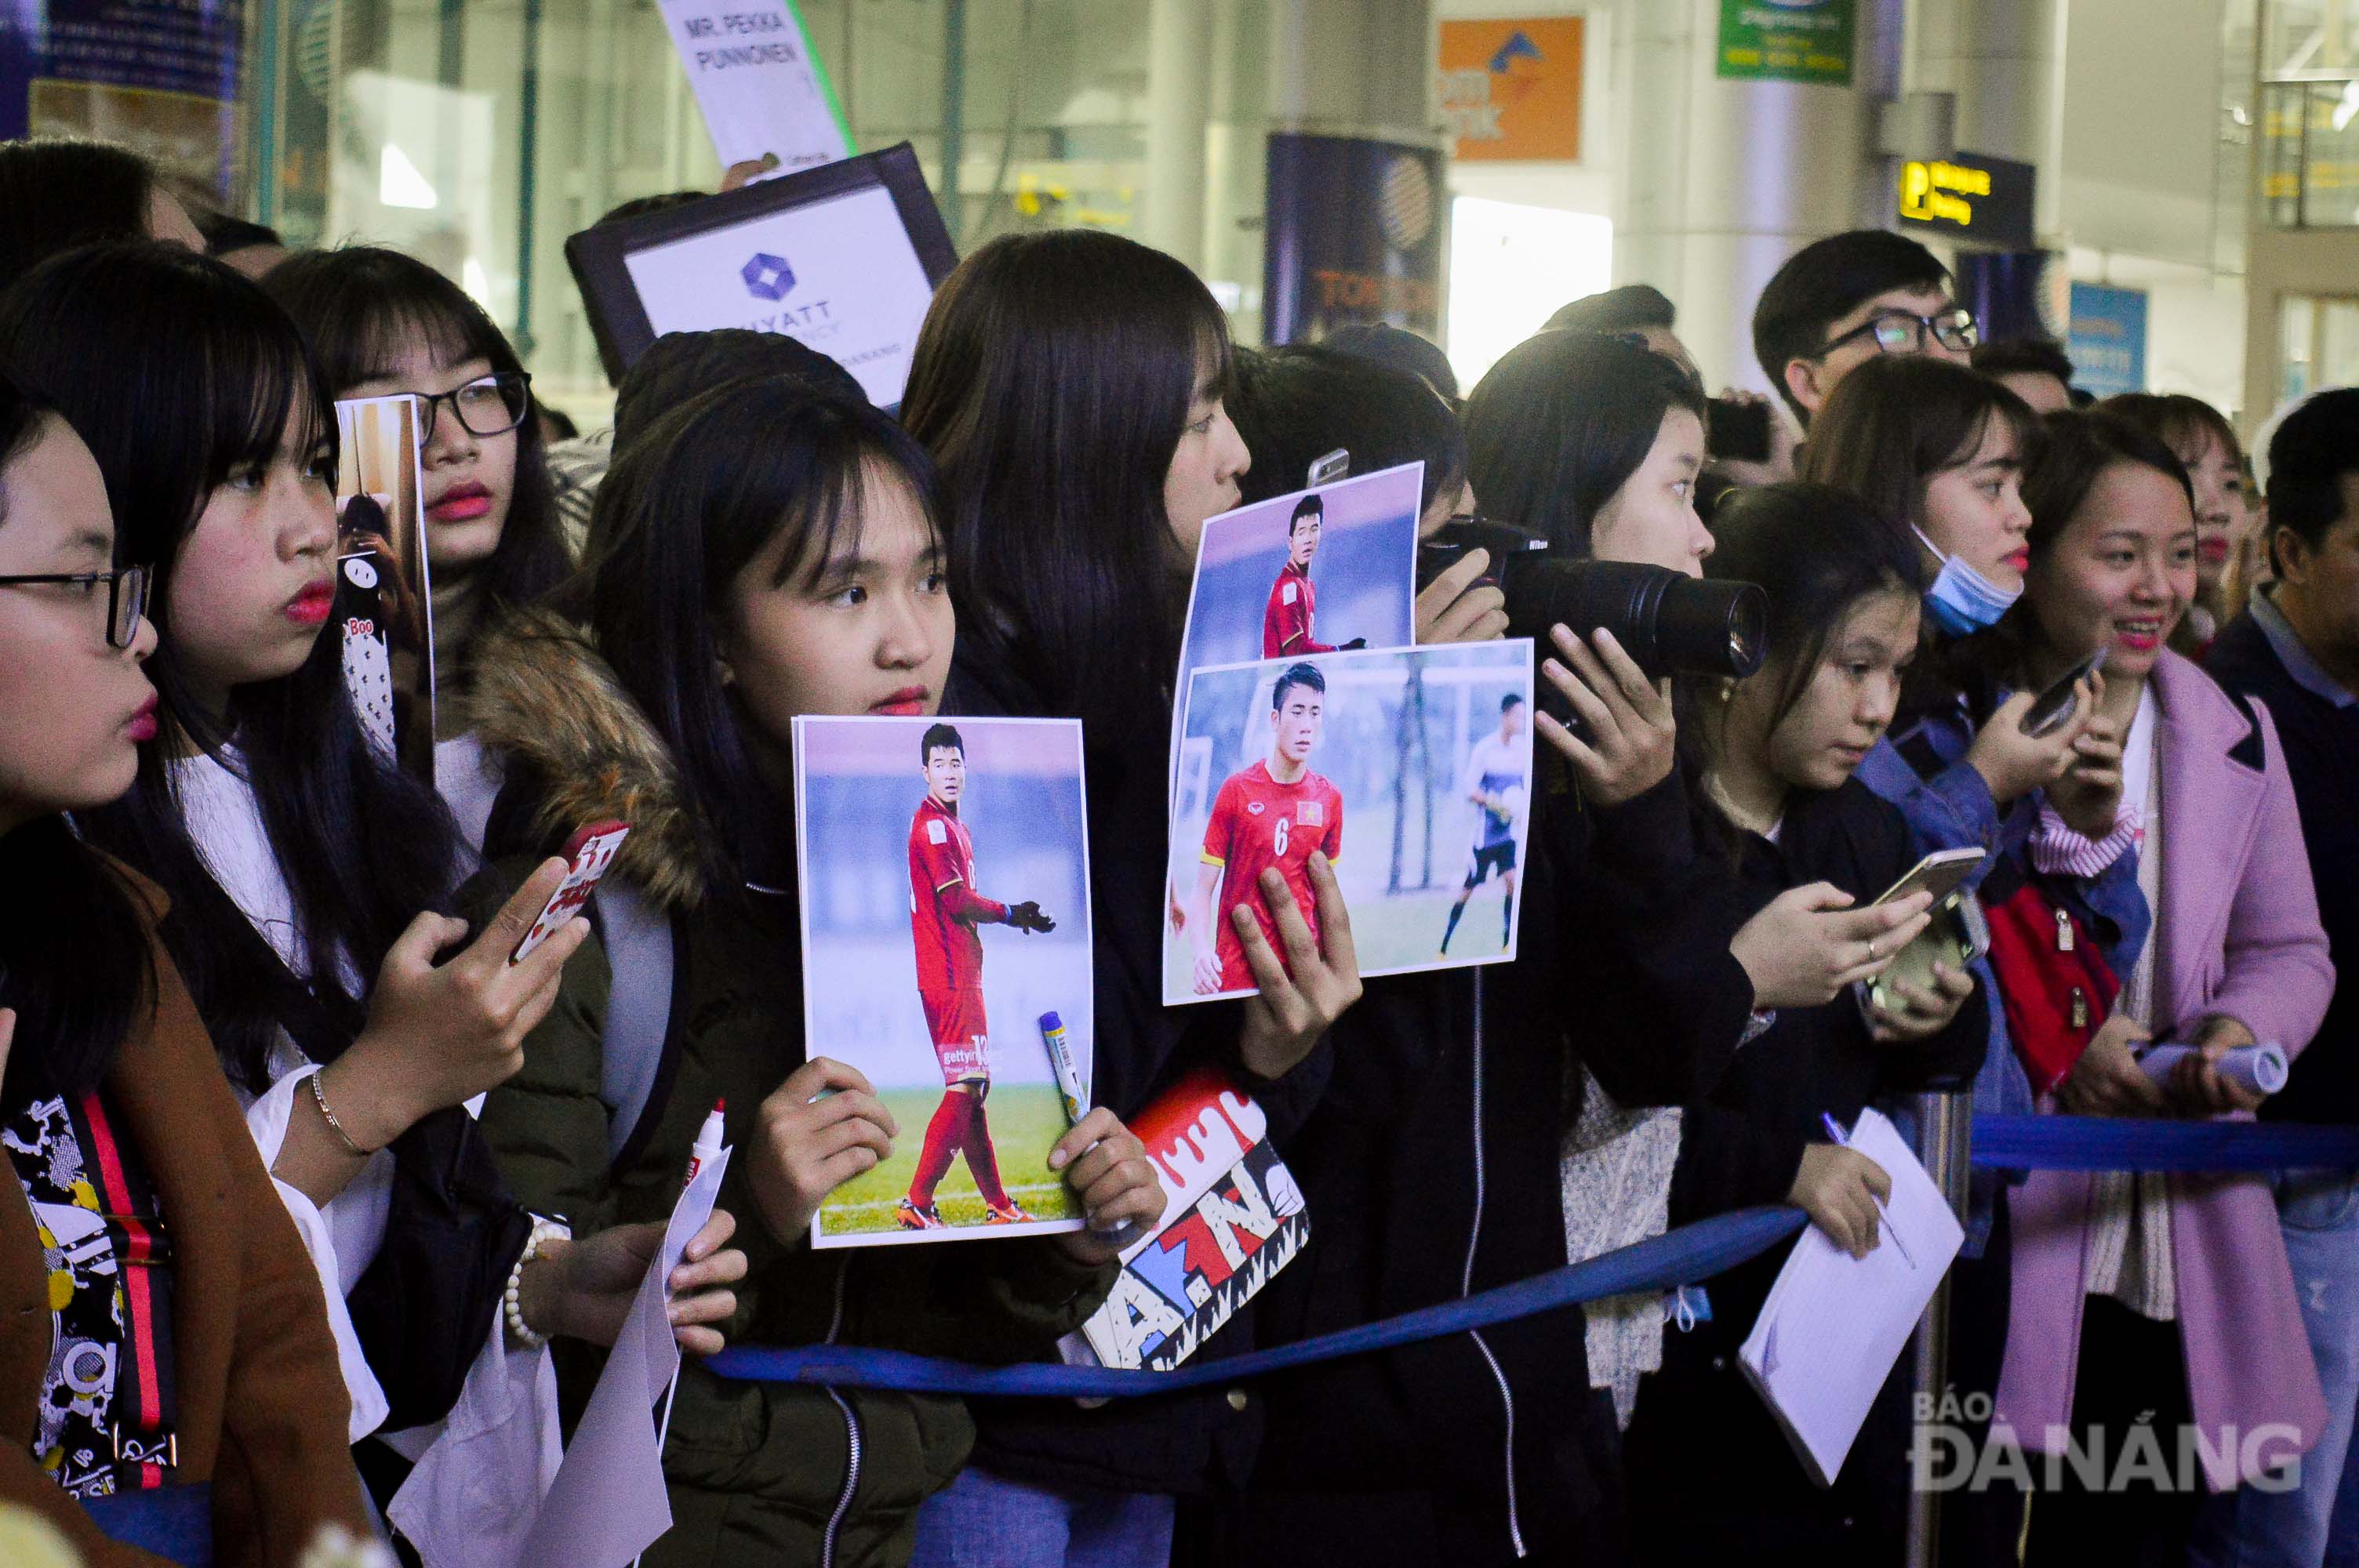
(2206, 446)
(382, 323)
(1942, 449)
(2156, 1301)
(111, 1104)
(1070, 386)
(761, 553)
(1774, 757)
(298, 861)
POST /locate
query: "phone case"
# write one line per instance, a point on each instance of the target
(588, 854)
(1956, 935)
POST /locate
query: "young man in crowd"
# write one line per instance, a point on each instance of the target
(2295, 648)
(2034, 369)
(1495, 779)
(944, 910)
(1842, 300)
(1276, 812)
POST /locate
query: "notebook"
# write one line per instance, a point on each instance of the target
(1833, 1325)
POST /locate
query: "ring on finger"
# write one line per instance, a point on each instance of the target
(1873, 951)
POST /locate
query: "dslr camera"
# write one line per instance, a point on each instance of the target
(1671, 624)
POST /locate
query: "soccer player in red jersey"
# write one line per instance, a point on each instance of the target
(944, 912)
(1274, 813)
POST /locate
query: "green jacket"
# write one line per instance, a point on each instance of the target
(758, 1472)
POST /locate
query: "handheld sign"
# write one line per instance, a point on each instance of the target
(843, 257)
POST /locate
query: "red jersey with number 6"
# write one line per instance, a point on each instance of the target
(1258, 823)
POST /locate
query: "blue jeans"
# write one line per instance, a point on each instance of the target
(2248, 1528)
(982, 1520)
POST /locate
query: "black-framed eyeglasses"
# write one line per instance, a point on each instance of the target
(126, 597)
(488, 406)
(1904, 331)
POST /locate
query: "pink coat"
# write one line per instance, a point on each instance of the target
(2239, 936)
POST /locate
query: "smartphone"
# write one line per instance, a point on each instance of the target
(1737, 432)
(2054, 705)
(1937, 873)
(1335, 465)
(587, 855)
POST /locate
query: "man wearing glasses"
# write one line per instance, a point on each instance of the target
(1846, 298)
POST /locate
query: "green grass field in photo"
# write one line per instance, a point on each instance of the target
(1027, 1120)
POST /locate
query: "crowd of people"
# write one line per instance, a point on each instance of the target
(333, 1209)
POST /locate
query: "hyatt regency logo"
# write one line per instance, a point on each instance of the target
(767, 276)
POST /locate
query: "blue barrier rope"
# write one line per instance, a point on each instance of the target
(1692, 1253)
(2111, 1143)
(1665, 1263)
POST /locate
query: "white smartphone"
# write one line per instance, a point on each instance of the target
(1937, 873)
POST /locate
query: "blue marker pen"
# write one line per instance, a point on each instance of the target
(1068, 1076)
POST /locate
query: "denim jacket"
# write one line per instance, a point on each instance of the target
(1921, 769)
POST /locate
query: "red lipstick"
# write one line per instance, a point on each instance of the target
(462, 503)
(141, 726)
(312, 606)
(907, 703)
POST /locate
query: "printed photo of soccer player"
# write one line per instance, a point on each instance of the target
(1424, 751)
(1288, 625)
(1274, 812)
(1338, 563)
(945, 911)
(1495, 780)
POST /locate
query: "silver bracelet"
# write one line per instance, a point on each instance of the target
(320, 1098)
(543, 1232)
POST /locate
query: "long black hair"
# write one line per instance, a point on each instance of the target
(58, 193)
(75, 962)
(1561, 422)
(1294, 404)
(354, 307)
(200, 381)
(1051, 382)
(686, 505)
(1816, 551)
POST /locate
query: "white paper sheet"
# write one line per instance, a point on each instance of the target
(607, 1504)
(1833, 1325)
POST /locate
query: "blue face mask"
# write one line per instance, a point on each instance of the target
(1962, 601)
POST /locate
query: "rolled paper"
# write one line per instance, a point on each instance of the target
(2263, 1069)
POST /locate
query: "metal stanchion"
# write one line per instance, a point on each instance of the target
(1945, 1123)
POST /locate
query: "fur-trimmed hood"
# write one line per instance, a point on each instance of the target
(583, 752)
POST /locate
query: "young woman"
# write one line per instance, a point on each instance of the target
(1773, 758)
(58, 193)
(761, 554)
(382, 323)
(197, 1336)
(1593, 442)
(1941, 450)
(304, 870)
(2160, 1301)
(2205, 444)
(1070, 387)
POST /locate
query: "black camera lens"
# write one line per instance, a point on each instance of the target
(1668, 622)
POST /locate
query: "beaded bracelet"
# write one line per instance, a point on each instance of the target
(543, 1232)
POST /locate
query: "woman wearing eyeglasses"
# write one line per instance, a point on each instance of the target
(382, 323)
(158, 1322)
(307, 874)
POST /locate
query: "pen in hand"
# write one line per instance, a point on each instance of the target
(1883, 1215)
